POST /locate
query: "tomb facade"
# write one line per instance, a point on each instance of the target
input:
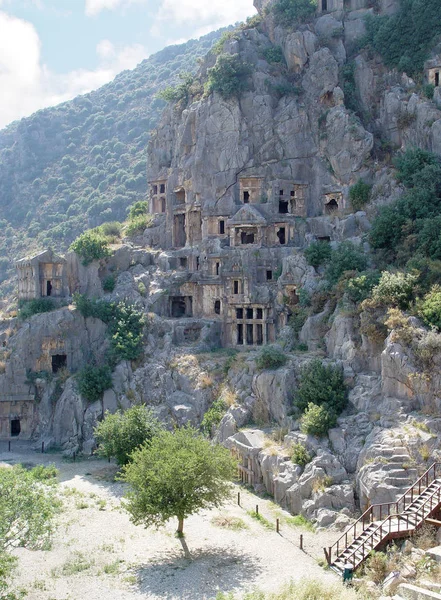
(42, 276)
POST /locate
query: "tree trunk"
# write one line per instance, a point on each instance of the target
(180, 530)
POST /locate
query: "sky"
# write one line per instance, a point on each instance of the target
(54, 50)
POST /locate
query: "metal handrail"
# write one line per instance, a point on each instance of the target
(389, 520)
(368, 515)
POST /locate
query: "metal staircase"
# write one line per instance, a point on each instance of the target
(381, 523)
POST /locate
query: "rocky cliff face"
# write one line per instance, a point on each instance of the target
(239, 187)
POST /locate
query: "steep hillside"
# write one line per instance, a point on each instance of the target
(82, 163)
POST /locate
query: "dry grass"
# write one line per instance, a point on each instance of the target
(229, 522)
(425, 537)
(205, 381)
(228, 395)
(306, 589)
(320, 484)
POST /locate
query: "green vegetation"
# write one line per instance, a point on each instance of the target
(92, 381)
(360, 194)
(91, 245)
(229, 76)
(270, 357)
(300, 521)
(346, 257)
(27, 511)
(82, 163)
(317, 420)
(213, 416)
(300, 455)
(28, 308)
(404, 39)
(177, 475)
(409, 229)
(109, 283)
(291, 12)
(318, 253)
(429, 308)
(359, 288)
(180, 91)
(125, 325)
(260, 518)
(321, 396)
(274, 54)
(395, 289)
(119, 434)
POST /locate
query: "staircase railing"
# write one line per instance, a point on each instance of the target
(401, 522)
(378, 512)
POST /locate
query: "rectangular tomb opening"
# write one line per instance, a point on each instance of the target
(15, 427)
(180, 235)
(181, 306)
(59, 361)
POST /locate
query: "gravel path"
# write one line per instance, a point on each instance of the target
(98, 554)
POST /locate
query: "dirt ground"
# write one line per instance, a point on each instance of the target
(98, 554)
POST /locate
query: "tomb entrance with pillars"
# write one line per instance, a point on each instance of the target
(246, 227)
(42, 276)
(249, 325)
(158, 191)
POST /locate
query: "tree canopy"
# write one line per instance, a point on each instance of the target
(176, 475)
(119, 434)
(28, 505)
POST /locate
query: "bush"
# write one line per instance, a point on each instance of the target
(28, 308)
(290, 12)
(360, 194)
(119, 434)
(270, 357)
(429, 309)
(126, 325)
(410, 164)
(317, 420)
(229, 76)
(395, 289)
(273, 54)
(300, 455)
(213, 416)
(359, 288)
(429, 90)
(111, 229)
(138, 225)
(138, 209)
(91, 245)
(347, 257)
(109, 283)
(321, 384)
(93, 381)
(179, 92)
(318, 253)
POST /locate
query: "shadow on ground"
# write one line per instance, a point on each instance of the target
(209, 571)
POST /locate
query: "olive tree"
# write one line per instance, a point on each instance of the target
(177, 475)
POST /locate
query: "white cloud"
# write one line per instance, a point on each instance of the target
(27, 84)
(206, 15)
(94, 7)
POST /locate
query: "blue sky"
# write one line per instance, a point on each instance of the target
(53, 50)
